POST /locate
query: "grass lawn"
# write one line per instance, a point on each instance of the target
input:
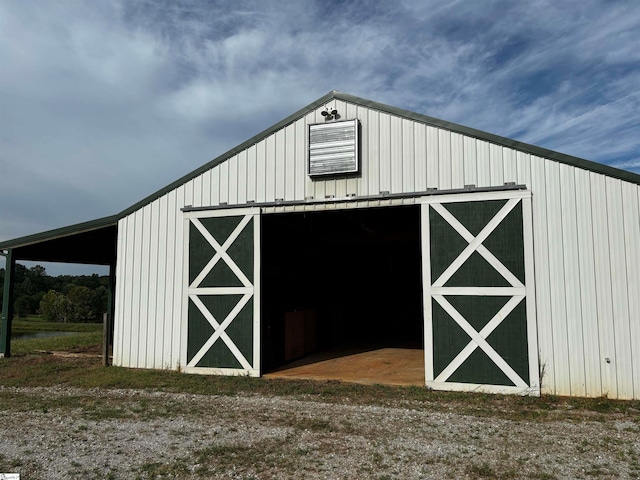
(276, 428)
(87, 340)
(37, 324)
(30, 367)
(83, 395)
(82, 342)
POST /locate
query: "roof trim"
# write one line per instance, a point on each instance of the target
(61, 232)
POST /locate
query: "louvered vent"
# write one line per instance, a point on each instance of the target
(333, 148)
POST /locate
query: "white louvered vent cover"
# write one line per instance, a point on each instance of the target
(333, 148)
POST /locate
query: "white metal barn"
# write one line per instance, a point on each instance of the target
(515, 268)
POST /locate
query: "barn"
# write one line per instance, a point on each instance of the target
(510, 268)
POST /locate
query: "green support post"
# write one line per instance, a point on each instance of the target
(7, 306)
(108, 318)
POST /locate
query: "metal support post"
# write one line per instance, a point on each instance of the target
(7, 305)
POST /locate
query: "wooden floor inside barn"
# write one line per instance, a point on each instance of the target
(385, 366)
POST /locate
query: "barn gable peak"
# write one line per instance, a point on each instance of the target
(332, 96)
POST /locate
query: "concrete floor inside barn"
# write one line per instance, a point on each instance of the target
(366, 365)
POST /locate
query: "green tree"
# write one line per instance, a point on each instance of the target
(99, 302)
(35, 280)
(30, 284)
(81, 300)
(20, 273)
(22, 306)
(74, 298)
(55, 307)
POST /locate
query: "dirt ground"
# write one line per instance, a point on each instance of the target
(64, 432)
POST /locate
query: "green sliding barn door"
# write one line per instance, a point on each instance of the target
(480, 328)
(222, 312)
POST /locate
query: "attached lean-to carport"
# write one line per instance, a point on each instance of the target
(91, 243)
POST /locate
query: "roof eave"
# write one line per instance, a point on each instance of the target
(60, 232)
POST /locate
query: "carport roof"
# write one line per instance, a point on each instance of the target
(92, 242)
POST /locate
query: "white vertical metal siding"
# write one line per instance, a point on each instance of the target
(586, 229)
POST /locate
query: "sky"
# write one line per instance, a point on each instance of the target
(103, 103)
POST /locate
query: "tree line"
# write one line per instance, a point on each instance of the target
(65, 298)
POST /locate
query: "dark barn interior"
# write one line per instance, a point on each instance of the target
(340, 278)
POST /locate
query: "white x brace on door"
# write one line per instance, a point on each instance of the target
(221, 319)
(478, 287)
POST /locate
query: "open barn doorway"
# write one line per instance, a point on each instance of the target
(342, 295)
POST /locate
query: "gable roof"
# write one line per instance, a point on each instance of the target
(435, 122)
(332, 95)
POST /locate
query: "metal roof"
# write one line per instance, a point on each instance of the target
(55, 237)
(336, 95)
(92, 242)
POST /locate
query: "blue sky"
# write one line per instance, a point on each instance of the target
(103, 103)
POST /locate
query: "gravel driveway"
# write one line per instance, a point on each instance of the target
(60, 432)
